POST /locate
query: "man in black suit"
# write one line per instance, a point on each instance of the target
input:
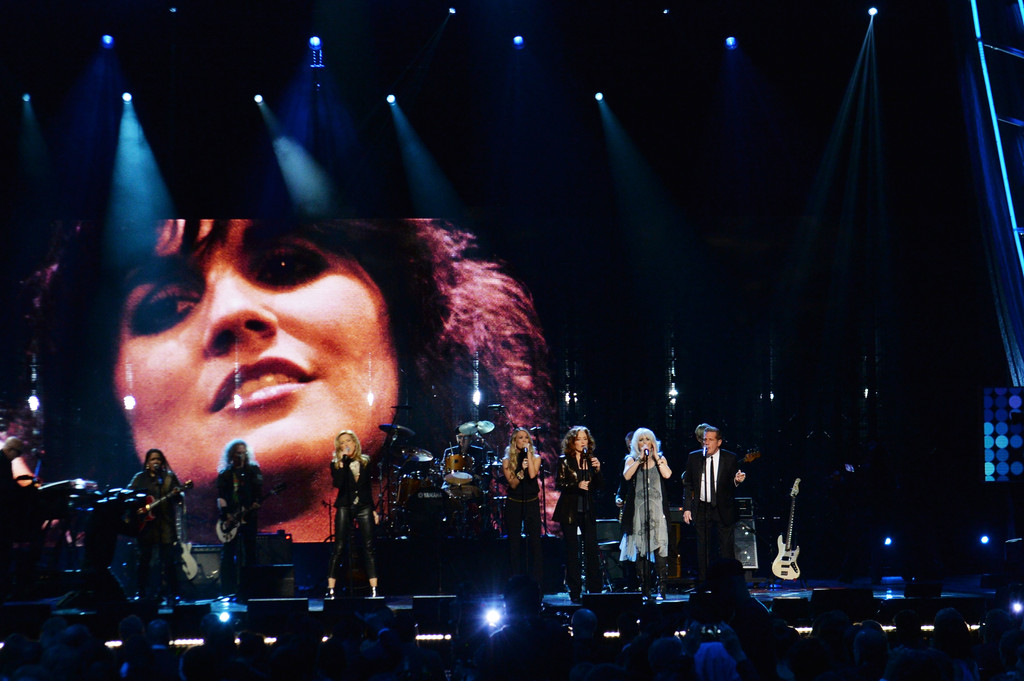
(709, 482)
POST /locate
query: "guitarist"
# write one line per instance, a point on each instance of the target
(158, 481)
(239, 487)
(709, 483)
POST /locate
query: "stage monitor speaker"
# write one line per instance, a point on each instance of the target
(745, 507)
(268, 581)
(435, 614)
(187, 620)
(272, 616)
(859, 604)
(334, 608)
(794, 610)
(922, 590)
(608, 607)
(745, 543)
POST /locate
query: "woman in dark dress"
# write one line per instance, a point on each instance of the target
(521, 468)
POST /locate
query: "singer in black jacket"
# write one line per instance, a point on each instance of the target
(350, 474)
(709, 483)
(579, 477)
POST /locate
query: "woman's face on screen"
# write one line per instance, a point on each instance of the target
(276, 342)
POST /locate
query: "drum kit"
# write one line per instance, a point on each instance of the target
(454, 494)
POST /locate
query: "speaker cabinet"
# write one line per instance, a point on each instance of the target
(267, 581)
(745, 543)
(205, 584)
(274, 548)
(271, 616)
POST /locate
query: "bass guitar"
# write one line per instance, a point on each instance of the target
(784, 566)
(228, 527)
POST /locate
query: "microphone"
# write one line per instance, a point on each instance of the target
(705, 450)
(647, 453)
(495, 406)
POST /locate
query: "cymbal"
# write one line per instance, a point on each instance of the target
(416, 454)
(394, 427)
(474, 427)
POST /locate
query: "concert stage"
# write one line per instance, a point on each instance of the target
(443, 616)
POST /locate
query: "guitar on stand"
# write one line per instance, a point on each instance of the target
(188, 561)
(784, 566)
(228, 528)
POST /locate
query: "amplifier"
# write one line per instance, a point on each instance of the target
(745, 507)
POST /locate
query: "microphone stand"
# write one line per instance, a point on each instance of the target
(707, 483)
(645, 574)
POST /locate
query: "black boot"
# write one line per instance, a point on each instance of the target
(661, 564)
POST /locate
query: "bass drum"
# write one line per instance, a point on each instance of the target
(410, 486)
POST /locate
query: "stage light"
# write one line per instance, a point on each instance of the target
(984, 539)
(127, 96)
(873, 11)
(370, 397)
(888, 541)
(26, 97)
(1016, 607)
(224, 617)
(172, 10)
(518, 42)
(258, 99)
(314, 42)
(391, 99)
(730, 43)
(599, 96)
(492, 616)
(451, 10)
(665, 11)
(129, 402)
(33, 402)
(476, 397)
(107, 41)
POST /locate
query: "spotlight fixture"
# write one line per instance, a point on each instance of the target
(129, 402)
(888, 541)
(33, 402)
(984, 539)
(665, 11)
(493, 617)
(518, 42)
(107, 41)
(317, 48)
(391, 99)
(127, 96)
(26, 97)
(599, 96)
(873, 11)
(730, 43)
(451, 10)
(258, 99)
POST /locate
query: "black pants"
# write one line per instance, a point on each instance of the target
(707, 520)
(167, 554)
(235, 555)
(343, 518)
(516, 512)
(588, 528)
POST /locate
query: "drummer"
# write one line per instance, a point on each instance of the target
(470, 450)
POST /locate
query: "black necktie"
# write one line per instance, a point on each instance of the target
(714, 484)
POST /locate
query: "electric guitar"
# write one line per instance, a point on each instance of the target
(145, 513)
(188, 562)
(228, 528)
(784, 566)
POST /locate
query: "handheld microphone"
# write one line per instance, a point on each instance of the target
(705, 450)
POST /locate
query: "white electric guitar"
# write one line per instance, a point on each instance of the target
(784, 566)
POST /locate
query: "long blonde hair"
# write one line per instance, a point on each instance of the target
(364, 460)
